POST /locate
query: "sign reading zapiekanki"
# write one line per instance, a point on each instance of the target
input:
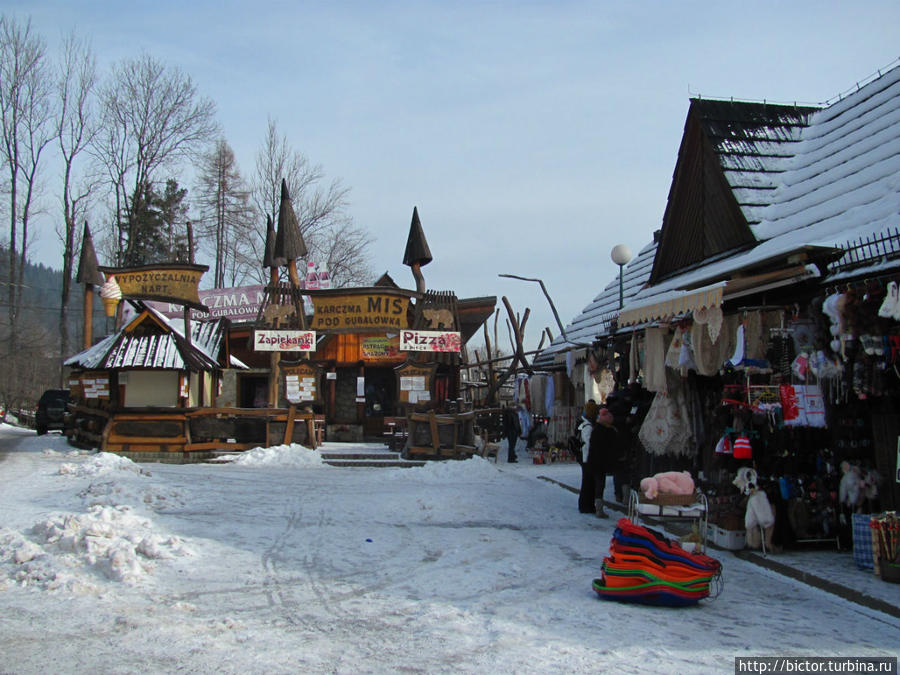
(430, 341)
(284, 340)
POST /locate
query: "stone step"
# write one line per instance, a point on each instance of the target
(373, 463)
(360, 455)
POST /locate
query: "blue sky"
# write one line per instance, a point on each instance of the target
(532, 136)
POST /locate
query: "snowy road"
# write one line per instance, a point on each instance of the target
(284, 565)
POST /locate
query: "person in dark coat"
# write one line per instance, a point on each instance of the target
(602, 456)
(585, 427)
(511, 430)
(620, 406)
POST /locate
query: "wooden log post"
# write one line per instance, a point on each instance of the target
(289, 427)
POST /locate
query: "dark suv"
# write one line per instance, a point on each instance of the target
(51, 410)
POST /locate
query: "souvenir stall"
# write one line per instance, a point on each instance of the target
(798, 395)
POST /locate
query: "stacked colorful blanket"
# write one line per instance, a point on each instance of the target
(644, 566)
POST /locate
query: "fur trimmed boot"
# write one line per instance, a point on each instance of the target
(598, 509)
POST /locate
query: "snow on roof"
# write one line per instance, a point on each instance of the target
(166, 350)
(824, 184)
(844, 181)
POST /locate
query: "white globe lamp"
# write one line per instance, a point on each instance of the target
(621, 255)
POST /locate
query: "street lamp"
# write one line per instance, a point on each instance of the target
(621, 255)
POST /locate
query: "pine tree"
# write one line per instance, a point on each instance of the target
(157, 226)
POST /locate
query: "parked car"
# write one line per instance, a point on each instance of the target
(51, 410)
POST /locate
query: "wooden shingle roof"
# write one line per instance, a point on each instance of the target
(755, 182)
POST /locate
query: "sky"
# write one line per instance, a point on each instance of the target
(532, 136)
(278, 563)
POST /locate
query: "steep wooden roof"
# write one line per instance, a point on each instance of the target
(730, 161)
(150, 340)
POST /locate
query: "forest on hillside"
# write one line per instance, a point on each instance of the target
(38, 352)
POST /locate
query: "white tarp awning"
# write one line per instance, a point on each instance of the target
(671, 303)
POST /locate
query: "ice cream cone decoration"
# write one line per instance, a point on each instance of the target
(110, 304)
(110, 294)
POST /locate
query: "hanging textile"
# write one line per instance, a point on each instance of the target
(755, 342)
(655, 360)
(706, 352)
(634, 362)
(537, 385)
(686, 357)
(666, 429)
(549, 395)
(673, 353)
(605, 386)
(591, 386)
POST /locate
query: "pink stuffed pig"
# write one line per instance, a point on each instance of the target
(668, 482)
(649, 487)
(675, 482)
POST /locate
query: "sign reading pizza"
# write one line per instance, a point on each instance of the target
(430, 341)
(174, 282)
(284, 340)
(356, 312)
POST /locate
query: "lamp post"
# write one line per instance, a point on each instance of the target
(621, 256)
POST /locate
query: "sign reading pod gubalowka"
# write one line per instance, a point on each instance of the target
(356, 311)
(169, 282)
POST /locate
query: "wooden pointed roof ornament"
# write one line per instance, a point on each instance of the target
(88, 267)
(417, 252)
(269, 254)
(88, 274)
(289, 244)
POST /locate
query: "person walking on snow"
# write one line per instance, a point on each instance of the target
(602, 455)
(585, 427)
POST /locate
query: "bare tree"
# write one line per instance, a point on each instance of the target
(75, 129)
(225, 219)
(25, 116)
(152, 118)
(329, 232)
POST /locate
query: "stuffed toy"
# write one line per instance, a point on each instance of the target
(759, 512)
(850, 487)
(668, 483)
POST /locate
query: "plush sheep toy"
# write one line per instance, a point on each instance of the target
(668, 483)
(850, 488)
(759, 512)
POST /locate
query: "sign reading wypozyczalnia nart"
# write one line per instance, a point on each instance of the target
(169, 282)
(343, 312)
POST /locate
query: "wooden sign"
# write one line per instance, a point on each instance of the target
(414, 382)
(377, 347)
(430, 341)
(284, 340)
(341, 312)
(301, 381)
(177, 283)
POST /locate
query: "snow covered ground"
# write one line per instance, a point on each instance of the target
(278, 563)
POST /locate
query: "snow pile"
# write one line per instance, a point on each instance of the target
(281, 455)
(113, 541)
(101, 463)
(451, 470)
